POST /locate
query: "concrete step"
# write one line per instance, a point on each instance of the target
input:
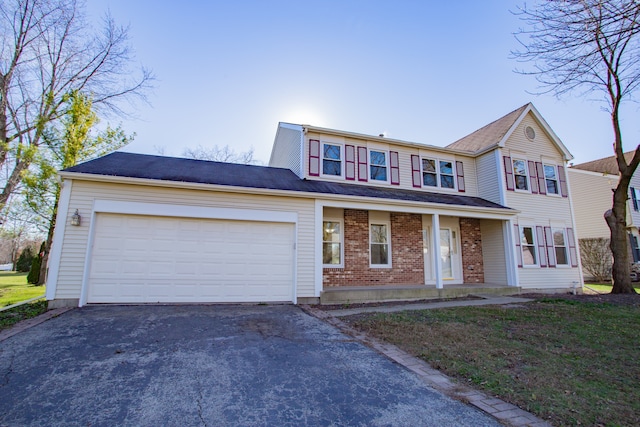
(366, 294)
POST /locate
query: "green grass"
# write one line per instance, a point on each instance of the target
(14, 288)
(604, 288)
(569, 362)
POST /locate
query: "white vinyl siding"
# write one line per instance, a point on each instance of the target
(84, 193)
(494, 260)
(540, 210)
(489, 177)
(404, 163)
(287, 150)
(592, 197)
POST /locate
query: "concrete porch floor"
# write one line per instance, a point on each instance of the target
(386, 293)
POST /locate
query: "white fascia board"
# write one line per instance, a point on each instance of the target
(545, 126)
(401, 205)
(515, 124)
(162, 209)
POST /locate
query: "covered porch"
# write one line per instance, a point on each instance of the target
(373, 253)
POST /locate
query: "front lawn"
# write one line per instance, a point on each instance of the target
(604, 288)
(569, 361)
(14, 288)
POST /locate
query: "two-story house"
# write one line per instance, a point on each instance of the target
(592, 195)
(335, 216)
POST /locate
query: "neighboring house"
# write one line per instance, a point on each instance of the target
(333, 211)
(592, 194)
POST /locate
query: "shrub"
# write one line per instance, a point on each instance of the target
(24, 260)
(596, 258)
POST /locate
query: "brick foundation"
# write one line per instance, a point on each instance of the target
(406, 253)
(471, 239)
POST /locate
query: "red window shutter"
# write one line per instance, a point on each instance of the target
(508, 171)
(542, 250)
(533, 177)
(314, 157)
(542, 184)
(394, 162)
(573, 252)
(362, 163)
(460, 173)
(563, 181)
(517, 238)
(551, 253)
(350, 162)
(415, 170)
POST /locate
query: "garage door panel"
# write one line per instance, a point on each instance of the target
(160, 259)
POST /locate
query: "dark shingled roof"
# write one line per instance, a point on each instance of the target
(205, 172)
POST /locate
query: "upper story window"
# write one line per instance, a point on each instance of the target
(551, 179)
(520, 174)
(528, 245)
(331, 159)
(378, 166)
(437, 173)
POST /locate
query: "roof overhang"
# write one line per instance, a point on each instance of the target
(408, 206)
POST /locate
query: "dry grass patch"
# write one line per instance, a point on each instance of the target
(567, 361)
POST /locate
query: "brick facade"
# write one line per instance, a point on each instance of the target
(471, 242)
(407, 263)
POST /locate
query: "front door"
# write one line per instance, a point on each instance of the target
(446, 252)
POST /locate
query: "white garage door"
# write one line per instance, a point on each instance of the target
(160, 259)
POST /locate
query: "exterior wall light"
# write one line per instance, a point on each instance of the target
(76, 219)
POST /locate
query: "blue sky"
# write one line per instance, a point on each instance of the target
(423, 71)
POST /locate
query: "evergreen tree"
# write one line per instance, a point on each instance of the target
(34, 273)
(25, 260)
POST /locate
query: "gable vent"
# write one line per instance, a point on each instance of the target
(530, 133)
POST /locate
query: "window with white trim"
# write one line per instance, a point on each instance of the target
(551, 179)
(379, 245)
(528, 246)
(560, 246)
(332, 243)
(378, 166)
(438, 173)
(331, 159)
(520, 175)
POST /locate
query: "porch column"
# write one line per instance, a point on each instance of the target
(437, 264)
(509, 252)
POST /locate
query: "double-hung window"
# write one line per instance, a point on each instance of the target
(438, 173)
(446, 174)
(528, 245)
(429, 173)
(332, 243)
(378, 166)
(551, 179)
(520, 174)
(379, 245)
(331, 159)
(560, 246)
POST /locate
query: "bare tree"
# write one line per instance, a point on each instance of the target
(220, 154)
(48, 49)
(593, 47)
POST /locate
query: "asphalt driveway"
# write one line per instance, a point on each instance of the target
(209, 366)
